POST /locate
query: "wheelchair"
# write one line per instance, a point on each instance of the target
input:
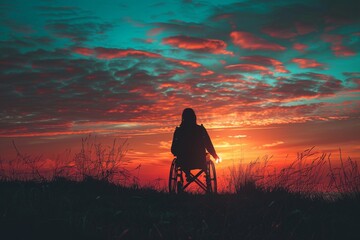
(178, 185)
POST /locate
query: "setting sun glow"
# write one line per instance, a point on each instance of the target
(263, 79)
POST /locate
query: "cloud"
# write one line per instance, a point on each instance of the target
(50, 85)
(172, 73)
(266, 61)
(273, 144)
(307, 63)
(289, 31)
(28, 42)
(300, 47)
(308, 85)
(198, 44)
(185, 63)
(154, 32)
(279, 33)
(304, 28)
(296, 89)
(75, 90)
(336, 45)
(331, 84)
(165, 145)
(73, 23)
(342, 51)
(353, 78)
(249, 68)
(248, 40)
(239, 136)
(111, 53)
(144, 41)
(141, 88)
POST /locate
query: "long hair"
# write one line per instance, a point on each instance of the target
(188, 117)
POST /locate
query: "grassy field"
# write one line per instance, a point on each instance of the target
(83, 197)
(92, 209)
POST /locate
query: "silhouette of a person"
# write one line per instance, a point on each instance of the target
(190, 143)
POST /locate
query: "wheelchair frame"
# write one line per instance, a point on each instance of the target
(176, 178)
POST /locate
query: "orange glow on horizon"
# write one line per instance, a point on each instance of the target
(148, 155)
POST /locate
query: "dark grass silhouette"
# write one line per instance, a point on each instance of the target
(93, 209)
(90, 197)
(93, 160)
(311, 174)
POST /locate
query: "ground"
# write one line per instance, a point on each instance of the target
(64, 209)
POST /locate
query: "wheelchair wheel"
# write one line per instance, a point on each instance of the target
(211, 183)
(175, 179)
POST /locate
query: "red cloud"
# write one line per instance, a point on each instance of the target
(155, 31)
(302, 28)
(249, 68)
(307, 63)
(333, 38)
(337, 47)
(343, 51)
(250, 41)
(300, 47)
(287, 32)
(198, 44)
(172, 73)
(84, 51)
(266, 61)
(206, 73)
(111, 53)
(185, 63)
(279, 32)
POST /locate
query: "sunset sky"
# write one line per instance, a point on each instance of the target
(264, 77)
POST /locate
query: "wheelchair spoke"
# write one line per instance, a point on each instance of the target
(176, 179)
(201, 184)
(212, 187)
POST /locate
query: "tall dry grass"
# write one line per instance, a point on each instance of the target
(311, 174)
(94, 160)
(104, 163)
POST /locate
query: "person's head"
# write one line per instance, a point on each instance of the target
(188, 117)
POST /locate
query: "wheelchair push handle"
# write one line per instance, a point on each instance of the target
(217, 159)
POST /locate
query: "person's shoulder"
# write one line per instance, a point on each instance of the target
(201, 127)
